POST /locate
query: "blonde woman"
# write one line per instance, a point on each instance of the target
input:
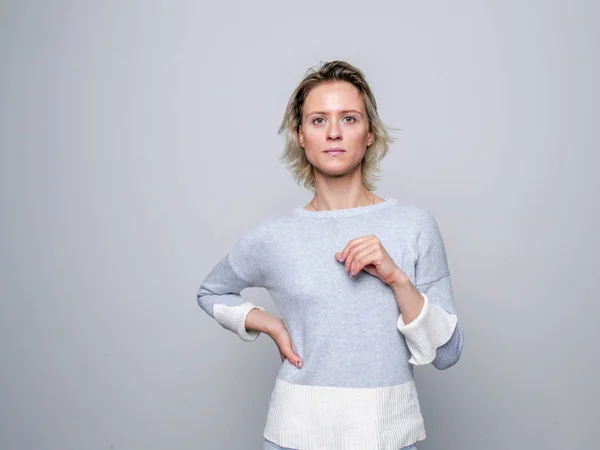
(361, 282)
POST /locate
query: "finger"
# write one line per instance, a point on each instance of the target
(293, 358)
(360, 249)
(349, 246)
(285, 348)
(341, 256)
(368, 256)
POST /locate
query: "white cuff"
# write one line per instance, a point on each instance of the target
(233, 318)
(432, 328)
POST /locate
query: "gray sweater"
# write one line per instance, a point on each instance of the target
(356, 388)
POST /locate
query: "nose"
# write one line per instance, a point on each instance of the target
(334, 132)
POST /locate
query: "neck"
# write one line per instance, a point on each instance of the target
(340, 192)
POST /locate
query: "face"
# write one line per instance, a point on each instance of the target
(335, 128)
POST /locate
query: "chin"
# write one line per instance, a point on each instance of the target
(336, 167)
(334, 170)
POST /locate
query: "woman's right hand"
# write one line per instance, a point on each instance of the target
(281, 336)
(276, 329)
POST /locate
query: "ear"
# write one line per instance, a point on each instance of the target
(370, 138)
(301, 136)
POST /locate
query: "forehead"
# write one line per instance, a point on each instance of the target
(332, 96)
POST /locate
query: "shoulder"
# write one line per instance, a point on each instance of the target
(251, 254)
(420, 217)
(266, 228)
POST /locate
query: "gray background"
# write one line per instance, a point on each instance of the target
(138, 141)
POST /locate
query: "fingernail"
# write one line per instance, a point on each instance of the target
(298, 364)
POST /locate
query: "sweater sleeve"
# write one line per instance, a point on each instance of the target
(435, 336)
(220, 292)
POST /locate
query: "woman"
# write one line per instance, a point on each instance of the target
(361, 282)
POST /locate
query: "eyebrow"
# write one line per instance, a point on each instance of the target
(324, 113)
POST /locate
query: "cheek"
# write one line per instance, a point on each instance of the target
(359, 136)
(313, 136)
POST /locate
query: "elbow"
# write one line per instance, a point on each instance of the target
(205, 300)
(443, 363)
(201, 300)
(449, 354)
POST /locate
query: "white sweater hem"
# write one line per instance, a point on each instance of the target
(342, 418)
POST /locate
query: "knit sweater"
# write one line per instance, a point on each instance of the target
(355, 390)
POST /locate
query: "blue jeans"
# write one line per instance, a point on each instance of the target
(273, 446)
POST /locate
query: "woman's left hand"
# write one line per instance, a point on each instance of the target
(369, 254)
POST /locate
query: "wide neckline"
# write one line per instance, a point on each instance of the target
(347, 212)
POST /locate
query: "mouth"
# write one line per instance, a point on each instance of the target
(334, 151)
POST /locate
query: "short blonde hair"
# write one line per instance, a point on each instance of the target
(294, 156)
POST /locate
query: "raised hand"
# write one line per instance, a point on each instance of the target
(368, 253)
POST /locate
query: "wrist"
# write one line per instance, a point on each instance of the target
(263, 321)
(399, 281)
(409, 298)
(273, 325)
(256, 320)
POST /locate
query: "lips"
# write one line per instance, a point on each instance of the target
(335, 150)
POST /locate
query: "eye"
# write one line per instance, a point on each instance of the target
(352, 119)
(316, 119)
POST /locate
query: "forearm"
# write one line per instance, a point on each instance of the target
(425, 326)
(428, 317)
(258, 320)
(409, 299)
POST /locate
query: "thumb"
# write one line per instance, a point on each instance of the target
(292, 357)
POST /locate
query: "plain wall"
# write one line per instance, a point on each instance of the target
(139, 140)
